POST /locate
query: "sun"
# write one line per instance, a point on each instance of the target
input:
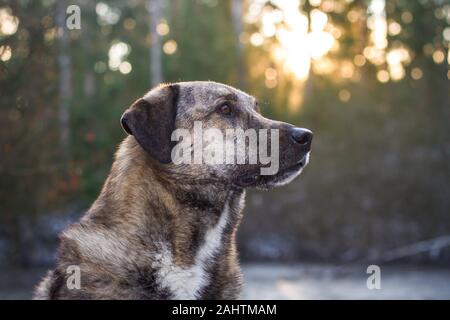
(301, 39)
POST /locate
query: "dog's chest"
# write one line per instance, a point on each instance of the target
(187, 282)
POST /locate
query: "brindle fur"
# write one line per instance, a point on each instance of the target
(149, 207)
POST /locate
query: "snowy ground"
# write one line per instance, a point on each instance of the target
(299, 281)
(307, 281)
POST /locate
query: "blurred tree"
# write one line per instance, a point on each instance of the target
(236, 15)
(65, 76)
(371, 78)
(155, 54)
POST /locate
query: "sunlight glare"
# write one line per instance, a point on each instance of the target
(5, 53)
(256, 39)
(324, 66)
(319, 44)
(107, 15)
(359, 60)
(396, 71)
(396, 58)
(318, 20)
(315, 3)
(297, 46)
(116, 54)
(8, 22)
(347, 69)
(377, 23)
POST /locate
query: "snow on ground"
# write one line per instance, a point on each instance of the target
(297, 281)
(310, 281)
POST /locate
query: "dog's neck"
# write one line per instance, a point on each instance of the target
(181, 211)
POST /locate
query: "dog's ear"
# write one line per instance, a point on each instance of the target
(151, 120)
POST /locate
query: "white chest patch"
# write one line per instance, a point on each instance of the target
(185, 283)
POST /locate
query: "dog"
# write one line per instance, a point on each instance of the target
(165, 230)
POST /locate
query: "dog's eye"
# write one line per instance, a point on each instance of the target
(226, 109)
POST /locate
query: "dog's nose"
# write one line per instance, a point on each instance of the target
(301, 136)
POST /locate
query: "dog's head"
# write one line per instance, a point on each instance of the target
(207, 131)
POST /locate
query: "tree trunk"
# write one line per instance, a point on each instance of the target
(89, 83)
(65, 85)
(236, 16)
(156, 78)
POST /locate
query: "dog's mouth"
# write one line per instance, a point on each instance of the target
(283, 176)
(299, 165)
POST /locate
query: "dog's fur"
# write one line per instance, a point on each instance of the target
(164, 231)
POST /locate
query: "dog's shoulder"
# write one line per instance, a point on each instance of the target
(110, 266)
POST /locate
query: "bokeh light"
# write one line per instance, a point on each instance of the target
(170, 47)
(344, 95)
(5, 53)
(8, 22)
(117, 53)
(416, 73)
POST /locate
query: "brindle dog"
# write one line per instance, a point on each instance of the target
(160, 230)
